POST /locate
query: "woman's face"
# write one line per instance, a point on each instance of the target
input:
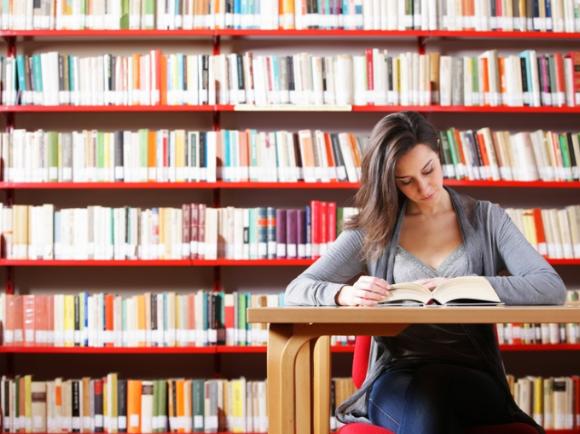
(418, 175)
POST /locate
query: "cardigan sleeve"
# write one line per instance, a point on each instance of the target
(532, 280)
(319, 283)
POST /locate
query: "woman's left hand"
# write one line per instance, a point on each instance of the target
(431, 284)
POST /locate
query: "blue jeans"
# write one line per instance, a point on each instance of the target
(436, 398)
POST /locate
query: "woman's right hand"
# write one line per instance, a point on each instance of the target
(366, 291)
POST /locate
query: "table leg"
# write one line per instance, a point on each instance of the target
(321, 380)
(283, 363)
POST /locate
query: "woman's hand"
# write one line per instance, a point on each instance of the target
(430, 284)
(366, 291)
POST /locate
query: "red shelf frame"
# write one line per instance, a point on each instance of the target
(155, 262)
(224, 185)
(278, 108)
(282, 33)
(113, 108)
(186, 262)
(223, 349)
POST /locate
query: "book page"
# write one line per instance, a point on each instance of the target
(472, 288)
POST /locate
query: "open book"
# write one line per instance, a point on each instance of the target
(459, 290)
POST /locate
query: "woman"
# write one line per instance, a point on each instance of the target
(430, 378)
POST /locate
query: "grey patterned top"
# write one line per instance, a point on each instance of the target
(449, 342)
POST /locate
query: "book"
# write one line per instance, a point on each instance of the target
(459, 290)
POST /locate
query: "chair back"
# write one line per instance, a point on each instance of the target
(360, 361)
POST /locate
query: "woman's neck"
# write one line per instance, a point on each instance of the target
(441, 205)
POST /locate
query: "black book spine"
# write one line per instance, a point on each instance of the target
(122, 405)
(573, 157)
(240, 67)
(291, 82)
(76, 403)
(525, 85)
(6, 406)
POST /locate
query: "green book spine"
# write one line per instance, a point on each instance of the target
(565, 150)
(475, 80)
(453, 153)
(197, 402)
(339, 219)
(124, 21)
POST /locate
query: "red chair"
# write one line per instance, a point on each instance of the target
(359, 371)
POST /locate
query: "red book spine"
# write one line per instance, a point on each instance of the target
(331, 222)
(370, 76)
(28, 315)
(323, 227)
(560, 79)
(315, 228)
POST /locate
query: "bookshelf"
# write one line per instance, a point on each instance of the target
(219, 115)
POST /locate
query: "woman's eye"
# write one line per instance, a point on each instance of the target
(406, 182)
(428, 171)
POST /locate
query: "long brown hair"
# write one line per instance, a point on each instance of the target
(378, 198)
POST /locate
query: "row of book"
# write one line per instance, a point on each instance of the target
(170, 319)
(192, 319)
(484, 154)
(276, 156)
(538, 334)
(553, 402)
(112, 404)
(180, 156)
(554, 233)
(194, 231)
(373, 77)
(151, 319)
(534, 15)
(197, 231)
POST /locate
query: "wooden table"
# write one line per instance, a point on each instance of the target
(299, 348)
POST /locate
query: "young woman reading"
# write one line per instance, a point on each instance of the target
(430, 379)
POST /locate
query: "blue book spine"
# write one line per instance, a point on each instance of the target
(227, 171)
(20, 73)
(85, 332)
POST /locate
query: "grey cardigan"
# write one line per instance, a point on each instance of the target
(492, 243)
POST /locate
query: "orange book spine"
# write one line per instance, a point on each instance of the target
(109, 319)
(459, 146)
(151, 155)
(540, 233)
(162, 74)
(180, 404)
(136, 79)
(485, 72)
(330, 156)
(482, 149)
(133, 406)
